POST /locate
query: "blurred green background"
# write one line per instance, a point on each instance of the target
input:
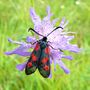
(14, 22)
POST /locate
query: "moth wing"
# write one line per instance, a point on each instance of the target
(31, 65)
(44, 62)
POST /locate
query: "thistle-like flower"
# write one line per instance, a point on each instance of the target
(58, 41)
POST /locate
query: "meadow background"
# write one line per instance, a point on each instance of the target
(14, 22)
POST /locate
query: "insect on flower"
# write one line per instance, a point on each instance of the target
(40, 57)
(48, 49)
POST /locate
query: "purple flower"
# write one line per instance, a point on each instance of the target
(59, 40)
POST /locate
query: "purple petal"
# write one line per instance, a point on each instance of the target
(67, 57)
(35, 18)
(18, 53)
(48, 10)
(50, 76)
(15, 42)
(22, 50)
(73, 48)
(30, 39)
(55, 64)
(69, 38)
(62, 65)
(63, 24)
(55, 54)
(54, 21)
(10, 40)
(21, 66)
(47, 18)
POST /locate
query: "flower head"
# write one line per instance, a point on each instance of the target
(59, 41)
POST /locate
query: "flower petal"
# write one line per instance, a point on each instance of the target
(55, 54)
(63, 24)
(35, 18)
(54, 21)
(50, 76)
(55, 62)
(48, 10)
(50, 60)
(15, 42)
(22, 50)
(21, 66)
(49, 14)
(62, 65)
(73, 48)
(18, 53)
(67, 57)
(30, 39)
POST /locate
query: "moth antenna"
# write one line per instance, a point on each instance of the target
(54, 30)
(34, 31)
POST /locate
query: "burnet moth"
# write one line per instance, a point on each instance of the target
(40, 56)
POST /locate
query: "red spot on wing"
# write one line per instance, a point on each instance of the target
(29, 64)
(37, 47)
(46, 68)
(34, 58)
(44, 60)
(47, 50)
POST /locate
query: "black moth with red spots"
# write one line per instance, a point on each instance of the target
(40, 57)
